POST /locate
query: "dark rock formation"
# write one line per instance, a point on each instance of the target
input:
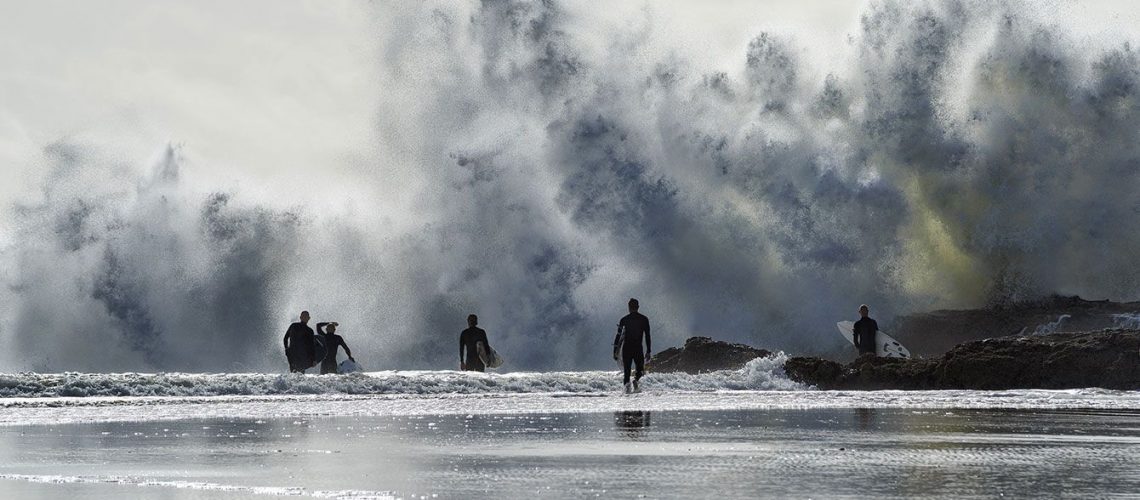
(935, 333)
(703, 354)
(1109, 359)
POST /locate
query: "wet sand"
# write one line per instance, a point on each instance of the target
(797, 453)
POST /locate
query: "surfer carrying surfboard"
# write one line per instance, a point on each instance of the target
(332, 341)
(864, 331)
(631, 329)
(468, 341)
(299, 345)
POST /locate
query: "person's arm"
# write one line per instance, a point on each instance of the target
(347, 351)
(321, 328)
(462, 366)
(648, 340)
(617, 336)
(855, 334)
(287, 332)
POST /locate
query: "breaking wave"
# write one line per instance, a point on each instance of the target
(1051, 327)
(1129, 321)
(758, 374)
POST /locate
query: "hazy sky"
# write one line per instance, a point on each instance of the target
(260, 95)
(271, 90)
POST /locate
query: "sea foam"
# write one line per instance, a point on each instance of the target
(758, 374)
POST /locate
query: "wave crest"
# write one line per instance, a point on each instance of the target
(759, 374)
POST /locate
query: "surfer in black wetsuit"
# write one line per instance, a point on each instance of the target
(332, 341)
(299, 345)
(467, 341)
(631, 329)
(864, 331)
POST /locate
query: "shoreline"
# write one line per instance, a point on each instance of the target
(39, 411)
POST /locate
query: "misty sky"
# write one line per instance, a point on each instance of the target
(270, 92)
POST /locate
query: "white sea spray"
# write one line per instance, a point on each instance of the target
(758, 374)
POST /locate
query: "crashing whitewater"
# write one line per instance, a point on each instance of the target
(538, 164)
(760, 374)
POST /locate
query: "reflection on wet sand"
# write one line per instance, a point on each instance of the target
(865, 418)
(847, 452)
(632, 423)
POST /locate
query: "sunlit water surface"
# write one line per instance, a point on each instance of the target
(726, 444)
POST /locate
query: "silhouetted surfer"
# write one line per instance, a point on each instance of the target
(467, 341)
(332, 341)
(299, 345)
(864, 331)
(631, 329)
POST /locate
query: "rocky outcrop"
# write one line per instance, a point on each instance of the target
(703, 354)
(1108, 359)
(935, 333)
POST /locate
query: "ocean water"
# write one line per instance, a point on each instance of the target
(750, 433)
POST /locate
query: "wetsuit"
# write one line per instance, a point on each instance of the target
(467, 341)
(634, 326)
(299, 347)
(864, 335)
(332, 341)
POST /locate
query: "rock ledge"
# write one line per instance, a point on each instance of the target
(703, 354)
(1107, 359)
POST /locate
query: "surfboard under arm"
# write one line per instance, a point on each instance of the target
(319, 350)
(489, 357)
(885, 345)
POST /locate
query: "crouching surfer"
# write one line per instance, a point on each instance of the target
(865, 331)
(332, 341)
(468, 340)
(631, 329)
(299, 345)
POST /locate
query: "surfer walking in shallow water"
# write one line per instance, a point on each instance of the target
(468, 341)
(631, 330)
(299, 345)
(332, 341)
(865, 331)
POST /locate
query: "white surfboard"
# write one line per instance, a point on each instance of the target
(348, 366)
(619, 340)
(490, 358)
(885, 345)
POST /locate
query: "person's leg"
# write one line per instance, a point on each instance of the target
(328, 367)
(627, 362)
(475, 364)
(639, 358)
